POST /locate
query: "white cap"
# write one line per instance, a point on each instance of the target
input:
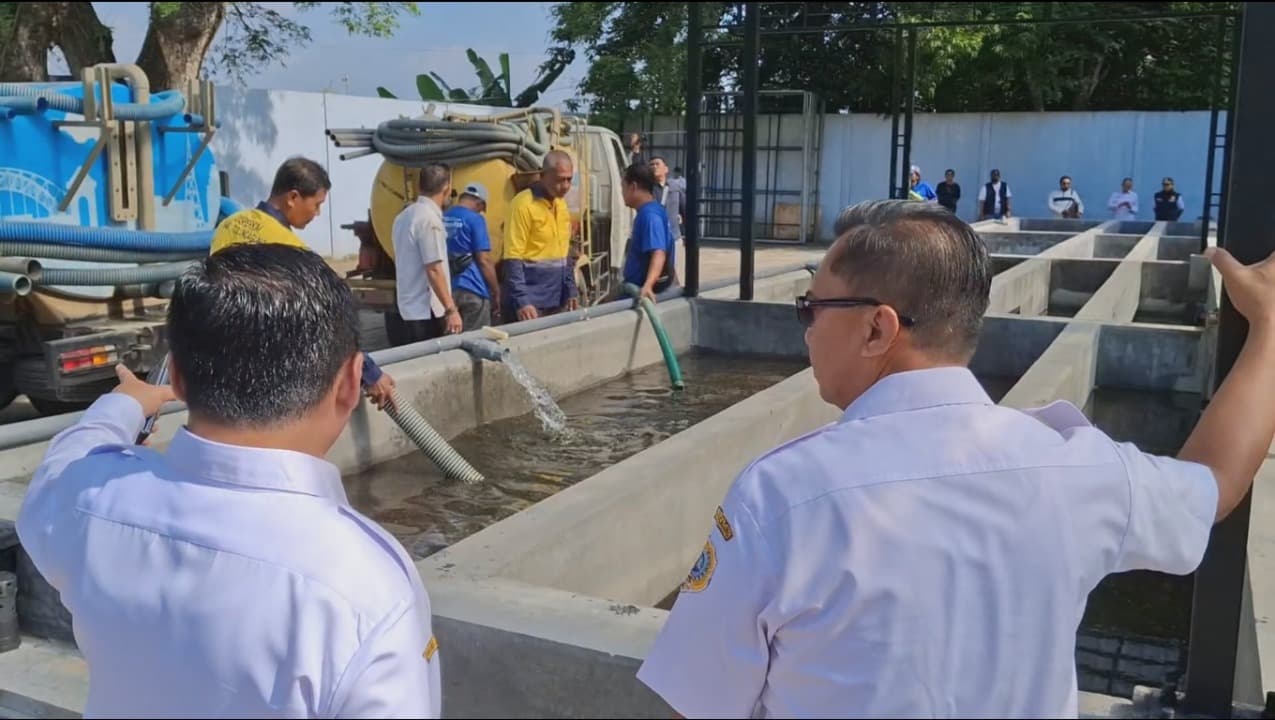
(477, 190)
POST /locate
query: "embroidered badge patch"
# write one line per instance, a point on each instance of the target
(431, 649)
(702, 572)
(724, 525)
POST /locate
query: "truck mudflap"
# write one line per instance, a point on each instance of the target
(80, 368)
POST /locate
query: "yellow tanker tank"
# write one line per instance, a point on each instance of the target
(396, 186)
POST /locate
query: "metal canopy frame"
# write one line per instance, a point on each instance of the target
(1220, 580)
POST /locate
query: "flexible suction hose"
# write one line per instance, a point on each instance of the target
(666, 347)
(13, 283)
(143, 275)
(413, 143)
(163, 105)
(87, 254)
(105, 238)
(431, 443)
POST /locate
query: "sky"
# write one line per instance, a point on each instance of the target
(435, 40)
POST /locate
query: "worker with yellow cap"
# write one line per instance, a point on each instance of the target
(300, 188)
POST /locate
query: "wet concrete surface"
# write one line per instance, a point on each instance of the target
(524, 465)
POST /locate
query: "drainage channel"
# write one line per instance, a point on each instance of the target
(524, 462)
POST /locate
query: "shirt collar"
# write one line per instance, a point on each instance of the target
(258, 468)
(429, 203)
(273, 212)
(918, 390)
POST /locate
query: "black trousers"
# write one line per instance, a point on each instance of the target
(405, 332)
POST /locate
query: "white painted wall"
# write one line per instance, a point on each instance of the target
(1097, 149)
(260, 129)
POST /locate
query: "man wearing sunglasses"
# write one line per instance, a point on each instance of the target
(930, 554)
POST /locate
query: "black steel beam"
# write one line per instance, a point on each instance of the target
(748, 202)
(909, 107)
(694, 100)
(1219, 581)
(896, 98)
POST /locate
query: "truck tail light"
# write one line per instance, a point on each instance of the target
(88, 358)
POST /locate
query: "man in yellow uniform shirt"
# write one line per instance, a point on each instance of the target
(300, 187)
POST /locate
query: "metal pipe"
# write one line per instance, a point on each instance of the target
(43, 429)
(694, 106)
(1217, 602)
(484, 349)
(141, 142)
(748, 201)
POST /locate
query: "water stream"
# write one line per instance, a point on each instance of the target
(552, 420)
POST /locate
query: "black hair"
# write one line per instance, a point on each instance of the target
(434, 177)
(302, 174)
(258, 333)
(657, 157)
(922, 260)
(949, 171)
(1064, 177)
(642, 176)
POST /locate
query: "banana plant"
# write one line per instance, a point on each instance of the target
(493, 89)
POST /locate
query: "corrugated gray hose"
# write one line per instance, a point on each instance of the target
(431, 443)
(414, 143)
(74, 252)
(114, 276)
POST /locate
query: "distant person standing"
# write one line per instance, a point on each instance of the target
(1065, 201)
(949, 191)
(921, 190)
(670, 196)
(474, 284)
(994, 198)
(636, 155)
(1124, 204)
(1168, 202)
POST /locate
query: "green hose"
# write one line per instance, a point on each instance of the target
(666, 347)
(431, 443)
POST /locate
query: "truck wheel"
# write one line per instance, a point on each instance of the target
(56, 407)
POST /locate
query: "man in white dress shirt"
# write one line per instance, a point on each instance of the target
(930, 554)
(229, 576)
(1124, 204)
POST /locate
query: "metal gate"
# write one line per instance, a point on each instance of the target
(789, 131)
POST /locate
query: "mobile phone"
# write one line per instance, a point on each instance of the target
(158, 376)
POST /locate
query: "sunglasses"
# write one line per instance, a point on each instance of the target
(806, 308)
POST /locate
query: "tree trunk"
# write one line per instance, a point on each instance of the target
(1088, 85)
(177, 41)
(72, 26)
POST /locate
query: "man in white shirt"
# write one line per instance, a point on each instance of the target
(1124, 204)
(229, 576)
(423, 282)
(994, 198)
(1065, 202)
(930, 554)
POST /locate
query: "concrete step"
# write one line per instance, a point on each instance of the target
(43, 679)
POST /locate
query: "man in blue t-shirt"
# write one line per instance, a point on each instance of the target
(650, 257)
(474, 285)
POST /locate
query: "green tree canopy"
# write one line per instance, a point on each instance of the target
(637, 54)
(179, 38)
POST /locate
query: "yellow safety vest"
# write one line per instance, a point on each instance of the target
(252, 226)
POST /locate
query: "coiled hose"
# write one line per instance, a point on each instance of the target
(144, 275)
(666, 347)
(105, 238)
(431, 443)
(162, 105)
(412, 143)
